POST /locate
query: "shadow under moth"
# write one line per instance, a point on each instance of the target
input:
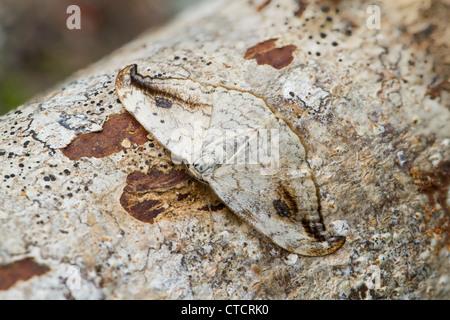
(233, 141)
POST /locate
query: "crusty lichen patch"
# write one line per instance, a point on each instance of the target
(435, 185)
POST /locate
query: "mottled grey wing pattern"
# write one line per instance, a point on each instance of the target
(278, 198)
(233, 141)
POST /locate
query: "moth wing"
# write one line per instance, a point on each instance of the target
(285, 209)
(176, 112)
(266, 181)
(270, 187)
(232, 126)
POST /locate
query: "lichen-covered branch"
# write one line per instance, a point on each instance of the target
(92, 206)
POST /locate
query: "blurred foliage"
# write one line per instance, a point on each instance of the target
(37, 50)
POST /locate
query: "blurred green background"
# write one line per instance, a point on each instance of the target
(37, 50)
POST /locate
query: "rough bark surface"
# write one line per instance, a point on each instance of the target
(93, 208)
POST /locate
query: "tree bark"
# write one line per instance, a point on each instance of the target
(92, 207)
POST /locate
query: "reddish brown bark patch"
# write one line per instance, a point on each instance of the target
(435, 92)
(144, 210)
(147, 195)
(260, 48)
(263, 5)
(302, 4)
(155, 180)
(266, 53)
(20, 270)
(108, 141)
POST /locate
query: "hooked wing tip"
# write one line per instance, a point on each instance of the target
(124, 77)
(335, 242)
(320, 248)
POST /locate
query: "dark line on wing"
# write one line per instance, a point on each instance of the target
(289, 198)
(313, 229)
(144, 84)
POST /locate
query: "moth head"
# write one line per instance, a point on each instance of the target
(123, 79)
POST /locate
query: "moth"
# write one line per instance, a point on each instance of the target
(233, 141)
